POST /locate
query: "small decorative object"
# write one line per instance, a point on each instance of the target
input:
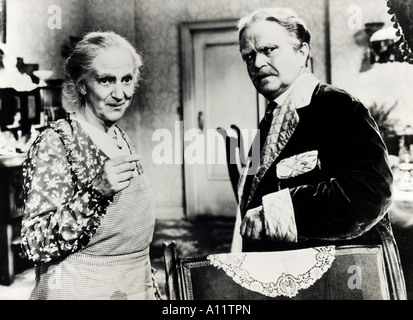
(404, 178)
(43, 75)
(384, 45)
(404, 174)
(12, 160)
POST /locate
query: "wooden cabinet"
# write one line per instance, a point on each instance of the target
(20, 110)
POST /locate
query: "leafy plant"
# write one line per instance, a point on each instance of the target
(382, 115)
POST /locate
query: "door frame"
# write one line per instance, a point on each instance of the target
(187, 31)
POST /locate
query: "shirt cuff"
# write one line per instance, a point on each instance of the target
(279, 219)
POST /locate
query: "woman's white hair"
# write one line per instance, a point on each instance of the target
(78, 65)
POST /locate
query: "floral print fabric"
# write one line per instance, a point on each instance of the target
(62, 208)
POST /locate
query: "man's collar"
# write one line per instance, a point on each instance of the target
(280, 100)
(300, 91)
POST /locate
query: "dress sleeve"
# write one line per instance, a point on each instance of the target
(355, 190)
(60, 216)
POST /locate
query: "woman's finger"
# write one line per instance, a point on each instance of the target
(126, 158)
(124, 167)
(122, 185)
(125, 176)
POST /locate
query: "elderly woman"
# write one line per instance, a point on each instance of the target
(89, 210)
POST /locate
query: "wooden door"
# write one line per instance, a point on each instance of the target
(217, 92)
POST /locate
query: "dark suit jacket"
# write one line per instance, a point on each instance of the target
(344, 199)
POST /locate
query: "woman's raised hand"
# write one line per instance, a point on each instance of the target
(116, 174)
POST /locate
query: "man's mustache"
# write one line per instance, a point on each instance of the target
(262, 74)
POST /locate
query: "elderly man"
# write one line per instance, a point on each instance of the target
(323, 176)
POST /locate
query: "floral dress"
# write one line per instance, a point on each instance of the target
(84, 245)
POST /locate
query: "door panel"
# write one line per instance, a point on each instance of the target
(216, 86)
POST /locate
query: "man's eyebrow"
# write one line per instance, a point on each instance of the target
(246, 51)
(266, 45)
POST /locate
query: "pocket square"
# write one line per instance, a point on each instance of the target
(298, 164)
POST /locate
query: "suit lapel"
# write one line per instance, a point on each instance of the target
(299, 97)
(275, 142)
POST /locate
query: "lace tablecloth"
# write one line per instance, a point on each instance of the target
(276, 273)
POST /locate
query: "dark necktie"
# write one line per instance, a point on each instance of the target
(282, 128)
(264, 128)
(265, 123)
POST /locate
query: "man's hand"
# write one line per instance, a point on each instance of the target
(116, 174)
(252, 226)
